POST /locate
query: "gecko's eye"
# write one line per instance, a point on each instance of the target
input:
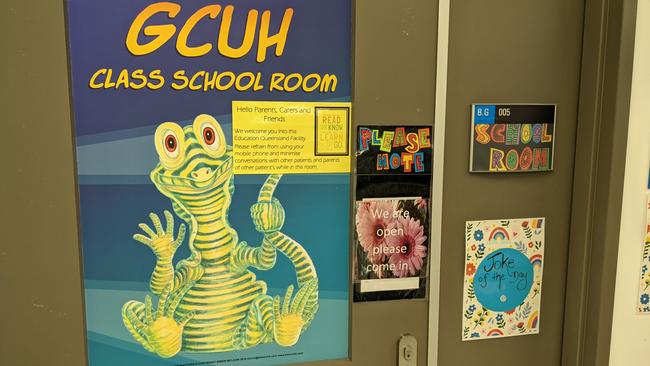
(169, 144)
(210, 135)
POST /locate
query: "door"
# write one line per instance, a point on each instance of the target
(509, 52)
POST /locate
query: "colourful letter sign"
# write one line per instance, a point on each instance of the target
(512, 138)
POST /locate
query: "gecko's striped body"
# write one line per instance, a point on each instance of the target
(223, 306)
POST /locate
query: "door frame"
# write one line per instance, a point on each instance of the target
(435, 249)
(603, 113)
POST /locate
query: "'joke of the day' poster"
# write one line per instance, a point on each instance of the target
(502, 292)
(212, 144)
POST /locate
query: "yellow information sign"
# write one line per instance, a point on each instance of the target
(291, 137)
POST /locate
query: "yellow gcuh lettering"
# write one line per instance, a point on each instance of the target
(279, 39)
(224, 33)
(163, 32)
(181, 42)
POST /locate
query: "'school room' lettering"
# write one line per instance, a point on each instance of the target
(512, 137)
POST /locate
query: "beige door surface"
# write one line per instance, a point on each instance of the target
(509, 52)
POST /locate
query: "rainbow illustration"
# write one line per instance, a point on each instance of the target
(532, 321)
(499, 233)
(496, 332)
(536, 260)
(536, 223)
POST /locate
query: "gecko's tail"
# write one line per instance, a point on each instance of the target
(305, 270)
(268, 188)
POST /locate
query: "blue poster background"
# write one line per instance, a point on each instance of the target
(115, 153)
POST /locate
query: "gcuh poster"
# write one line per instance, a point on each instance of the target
(212, 146)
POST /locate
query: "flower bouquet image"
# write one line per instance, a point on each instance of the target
(391, 241)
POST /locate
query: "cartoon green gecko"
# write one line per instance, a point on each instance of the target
(211, 302)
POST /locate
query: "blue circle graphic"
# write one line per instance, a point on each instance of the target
(503, 280)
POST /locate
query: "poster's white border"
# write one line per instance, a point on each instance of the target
(389, 284)
(438, 169)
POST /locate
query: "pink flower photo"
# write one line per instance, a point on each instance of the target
(371, 224)
(391, 238)
(409, 259)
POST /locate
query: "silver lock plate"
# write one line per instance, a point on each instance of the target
(407, 351)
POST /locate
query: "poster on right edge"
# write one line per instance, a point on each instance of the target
(643, 302)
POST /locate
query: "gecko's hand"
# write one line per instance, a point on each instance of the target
(159, 331)
(161, 242)
(268, 216)
(290, 320)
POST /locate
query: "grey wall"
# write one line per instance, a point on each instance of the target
(39, 256)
